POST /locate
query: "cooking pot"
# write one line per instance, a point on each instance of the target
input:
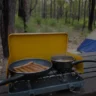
(66, 63)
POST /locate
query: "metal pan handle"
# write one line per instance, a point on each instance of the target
(10, 80)
(81, 61)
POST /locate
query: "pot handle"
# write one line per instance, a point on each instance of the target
(10, 80)
(81, 61)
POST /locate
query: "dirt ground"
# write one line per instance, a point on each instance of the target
(75, 38)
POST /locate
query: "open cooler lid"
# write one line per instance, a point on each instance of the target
(36, 45)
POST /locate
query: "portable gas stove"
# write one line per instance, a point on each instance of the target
(54, 81)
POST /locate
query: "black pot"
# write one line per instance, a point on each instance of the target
(60, 64)
(65, 63)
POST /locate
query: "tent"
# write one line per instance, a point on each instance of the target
(89, 44)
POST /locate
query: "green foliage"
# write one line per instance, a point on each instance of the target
(47, 25)
(18, 23)
(38, 20)
(77, 25)
(69, 15)
(52, 22)
(60, 2)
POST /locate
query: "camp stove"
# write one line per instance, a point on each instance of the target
(53, 82)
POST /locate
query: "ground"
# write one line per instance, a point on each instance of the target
(75, 38)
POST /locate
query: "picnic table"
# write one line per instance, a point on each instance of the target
(89, 88)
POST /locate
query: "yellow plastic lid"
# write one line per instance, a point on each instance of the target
(36, 45)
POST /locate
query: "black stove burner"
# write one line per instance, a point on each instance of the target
(54, 81)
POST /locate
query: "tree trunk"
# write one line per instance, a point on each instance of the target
(91, 16)
(89, 6)
(79, 10)
(24, 9)
(66, 16)
(72, 13)
(70, 10)
(82, 8)
(76, 10)
(11, 19)
(54, 14)
(8, 21)
(31, 8)
(94, 18)
(1, 7)
(24, 12)
(4, 30)
(84, 14)
(44, 9)
(60, 10)
(20, 9)
(51, 9)
(35, 11)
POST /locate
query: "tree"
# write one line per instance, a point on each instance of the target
(25, 11)
(29, 7)
(66, 15)
(60, 9)
(51, 9)
(73, 9)
(84, 14)
(44, 9)
(89, 7)
(8, 21)
(70, 10)
(54, 12)
(32, 7)
(91, 15)
(79, 10)
(1, 7)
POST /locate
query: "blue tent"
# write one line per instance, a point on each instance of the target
(89, 44)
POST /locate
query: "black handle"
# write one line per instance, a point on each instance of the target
(81, 61)
(10, 80)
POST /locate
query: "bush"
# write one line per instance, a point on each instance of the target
(38, 20)
(52, 22)
(19, 23)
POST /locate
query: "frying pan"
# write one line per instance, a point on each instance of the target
(66, 66)
(26, 76)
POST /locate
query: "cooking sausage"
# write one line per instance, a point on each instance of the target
(30, 67)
